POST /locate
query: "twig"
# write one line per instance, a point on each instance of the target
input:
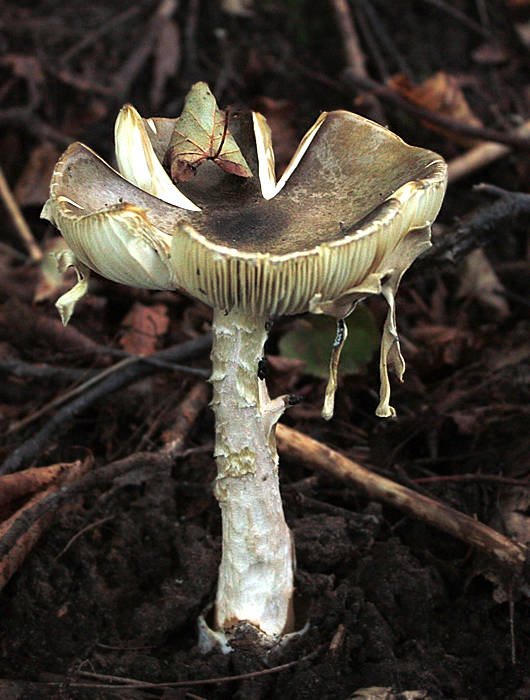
(370, 41)
(186, 415)
(385, 38)
(131, 683)
(128, 374)
(48, 373)
(20, 533)
(59, 400)
(493, 478)
(25, 117)
(474, 230)
(190, 40)
(79, 534)
(350, 39)
(385, 93)
(460, 17)
(141, 52)
(353, 54)
(96, 34)
(13, 486)
(481, 156)
(18, 219)
(97, 377)
(510, 555)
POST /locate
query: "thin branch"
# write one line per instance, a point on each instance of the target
(97, 377)
(96, 34)
(48, 373)
(128, 374)
(385, 39)
(460, 17)
(350, 39)
(353, 79)
(482, 155)
(492, 478)
(475, 229)
(510, 555)
(79, 534)
(354, 55)
(131, 683)
(128, 73)
(185, 416)
(18, 219)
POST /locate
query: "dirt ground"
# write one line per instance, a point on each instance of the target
(105, 582)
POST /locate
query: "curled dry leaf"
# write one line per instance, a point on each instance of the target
(479, 281)
(441, 93)
(201, 133)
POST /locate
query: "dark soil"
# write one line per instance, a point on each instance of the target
(117, 581)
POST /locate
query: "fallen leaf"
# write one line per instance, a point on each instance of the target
(201, 133)
(33, 185)
(311, 340)
(446, 343)
(479, 281)
(143, 326)
(285, 365)
(441, 94)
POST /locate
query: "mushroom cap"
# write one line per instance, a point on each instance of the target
(347, 204)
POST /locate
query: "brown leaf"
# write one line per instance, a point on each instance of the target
(479, 281)
(201, 133)
(440, 93)
(285, 365)
(143, 326)
(33, 185)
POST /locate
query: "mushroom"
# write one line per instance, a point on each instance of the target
(348, 216)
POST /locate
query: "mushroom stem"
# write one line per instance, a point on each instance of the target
(257, 565)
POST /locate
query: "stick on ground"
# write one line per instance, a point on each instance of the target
(314, 454)
(481, 156)
(18, 219)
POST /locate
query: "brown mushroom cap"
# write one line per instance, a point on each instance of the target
(348, 205)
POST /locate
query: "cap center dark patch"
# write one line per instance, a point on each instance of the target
(253, 229)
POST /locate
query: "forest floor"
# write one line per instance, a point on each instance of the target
(108, 557)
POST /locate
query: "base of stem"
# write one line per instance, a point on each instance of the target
(221, 640)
